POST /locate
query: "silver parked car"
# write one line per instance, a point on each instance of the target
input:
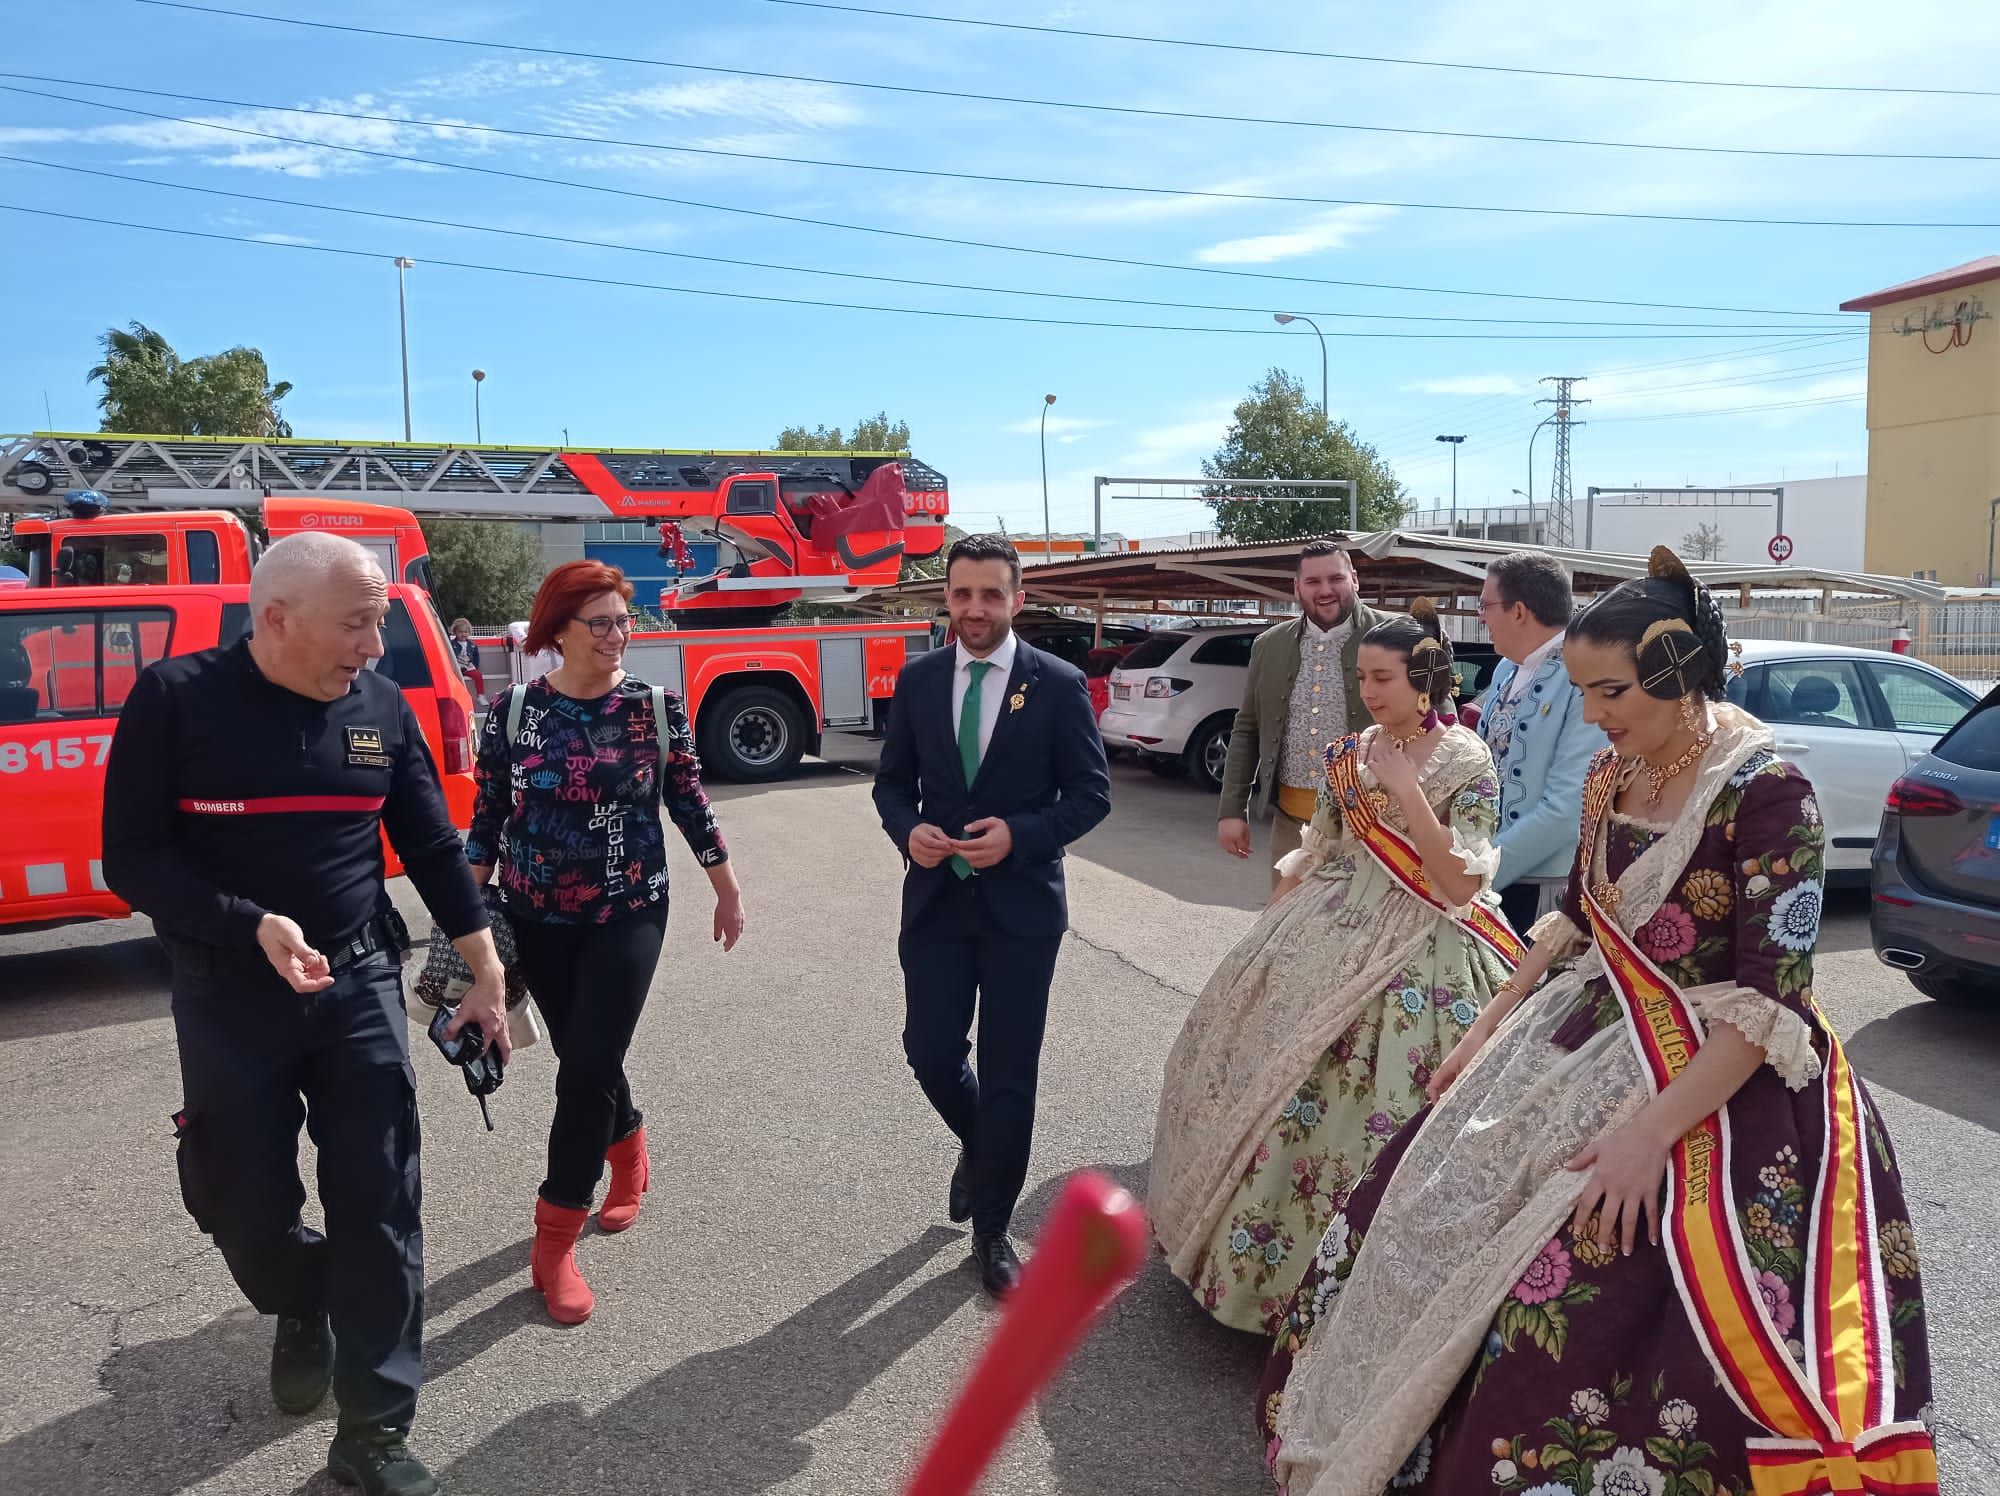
(1936, 907)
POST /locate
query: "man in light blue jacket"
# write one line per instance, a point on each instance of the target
(1532, 719)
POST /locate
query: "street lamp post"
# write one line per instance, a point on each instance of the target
(1456, 442)
(1048, 545)
(478, 427)
(403, 330)
(1284, 319)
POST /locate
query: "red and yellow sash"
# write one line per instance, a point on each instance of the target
(1399, 859)
(1830, 1421)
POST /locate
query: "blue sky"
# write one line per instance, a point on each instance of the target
(631, 367)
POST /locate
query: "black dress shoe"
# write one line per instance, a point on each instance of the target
(301, 1362)
(958, 1205)
(378, 1461)
(999, 1268)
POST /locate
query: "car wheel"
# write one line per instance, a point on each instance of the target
(1208, 750)
(1953, 990)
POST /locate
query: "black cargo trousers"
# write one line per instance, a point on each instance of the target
(257, 1059)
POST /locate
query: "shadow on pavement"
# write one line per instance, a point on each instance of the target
(1159, 1397)
(734, 1419)
(67, 988)
(1932, 1052)
(181, 1410)
(1844, 920)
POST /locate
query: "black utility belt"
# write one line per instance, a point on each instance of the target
(386, 932)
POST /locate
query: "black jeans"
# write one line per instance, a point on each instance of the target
(590, 981)
(257, 1059)
(955, 960)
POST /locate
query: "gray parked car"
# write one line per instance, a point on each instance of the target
(1936, 872)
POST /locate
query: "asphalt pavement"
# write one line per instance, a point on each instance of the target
(791, 1313)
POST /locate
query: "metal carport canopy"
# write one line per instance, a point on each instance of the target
(1394, 566)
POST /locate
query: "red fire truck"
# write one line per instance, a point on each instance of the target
(785, 526)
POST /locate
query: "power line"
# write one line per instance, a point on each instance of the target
(1736, 410)
(765, 75)
(894, 280)
(1069, 184)
(846, 306)
(793, 218)
(1064, 183)
(1410, 62)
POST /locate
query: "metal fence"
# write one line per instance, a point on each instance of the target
(1960, 637)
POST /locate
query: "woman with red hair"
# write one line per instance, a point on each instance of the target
(573, 771)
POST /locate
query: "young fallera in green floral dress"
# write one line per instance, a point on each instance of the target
(1584, 1377)
(1312, 1045)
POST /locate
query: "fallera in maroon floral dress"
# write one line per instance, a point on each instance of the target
(1590, 1381)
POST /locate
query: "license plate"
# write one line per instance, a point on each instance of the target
(1993, 835)
(1121, 693)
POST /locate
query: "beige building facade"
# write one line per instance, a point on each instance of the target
(1934, 424)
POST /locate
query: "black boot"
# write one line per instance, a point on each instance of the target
(301, 1362)
(999, 1268)
(377, 1460)
(958, 1203)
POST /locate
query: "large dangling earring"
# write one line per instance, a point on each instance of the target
(1691, 719)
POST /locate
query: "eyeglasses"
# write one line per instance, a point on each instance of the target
(1486, 607)
(600, 628)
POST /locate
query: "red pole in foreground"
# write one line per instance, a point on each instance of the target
(1093, 1245)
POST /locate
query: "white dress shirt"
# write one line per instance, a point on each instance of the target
(1518, 686)
(992, 687)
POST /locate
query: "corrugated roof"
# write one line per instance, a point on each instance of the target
(1393, 566)
(1971, 273)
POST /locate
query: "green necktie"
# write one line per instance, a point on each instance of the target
(968, 741)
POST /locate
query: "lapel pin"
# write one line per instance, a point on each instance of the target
(1019, 699)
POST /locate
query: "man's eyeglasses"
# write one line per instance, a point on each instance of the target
(600, 628)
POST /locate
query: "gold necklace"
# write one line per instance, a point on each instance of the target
(1657, 777)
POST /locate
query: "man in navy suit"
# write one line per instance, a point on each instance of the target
(992, 765)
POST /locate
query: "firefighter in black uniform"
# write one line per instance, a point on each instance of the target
(244, 798)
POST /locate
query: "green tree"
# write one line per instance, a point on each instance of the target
(1279, 433)
(876, 433)
(485, 570)
(149, 388)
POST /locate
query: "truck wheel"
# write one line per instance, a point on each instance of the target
(751, 734)
(1208, 750)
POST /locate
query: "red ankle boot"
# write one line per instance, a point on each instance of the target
(631, 1177)
(554, 1269)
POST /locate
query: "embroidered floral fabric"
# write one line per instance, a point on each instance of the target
(1452, 1335)
(1310, 1046)
(572, 814)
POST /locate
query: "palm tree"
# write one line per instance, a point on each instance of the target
(149, 388)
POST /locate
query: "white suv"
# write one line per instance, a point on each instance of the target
(1174, 699)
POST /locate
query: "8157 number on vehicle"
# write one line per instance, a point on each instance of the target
(55, 753)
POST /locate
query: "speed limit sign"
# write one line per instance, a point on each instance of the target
(1781, 548)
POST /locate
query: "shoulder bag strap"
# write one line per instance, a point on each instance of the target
(660, 731)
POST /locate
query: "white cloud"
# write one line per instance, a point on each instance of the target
(493, 75)
(1333, 230)
(273, 238)
(221, 139)
(1176, 450)
(1058, 425)
(1470, 384)
(809, 106)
